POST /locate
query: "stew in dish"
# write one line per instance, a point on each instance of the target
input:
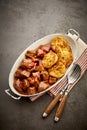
(43, 66)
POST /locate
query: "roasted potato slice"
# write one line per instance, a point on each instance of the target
(58, 42)
(57, 70)
(49, 59)
(63, 50)
(65, 55)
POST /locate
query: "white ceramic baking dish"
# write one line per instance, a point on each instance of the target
(44, 40)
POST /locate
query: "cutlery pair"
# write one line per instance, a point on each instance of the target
(72, 76)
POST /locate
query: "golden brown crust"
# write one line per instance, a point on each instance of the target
(49, 59)
(58, 42)
(57, 70)
(63, 50)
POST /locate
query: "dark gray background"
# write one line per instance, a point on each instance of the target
(21, 23)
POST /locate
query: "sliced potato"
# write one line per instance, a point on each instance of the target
(49, 59)
(65, 56)
(58, 42)
(57, 70)
(63, 50)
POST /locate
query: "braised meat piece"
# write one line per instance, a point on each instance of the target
(25, 73)
(31, 80)
(37, 81)
(31, 90)
(40, 62)
(30, 54)
(36, 74)
(44, 75)
(46, 47)
(27, 64)
(18, 84)
(17, 73)
(34, 81)
(43, 86)
(26, 83)
(21, 73)
(40, 52)
(39, 68)
(35, 60)
(52, 80)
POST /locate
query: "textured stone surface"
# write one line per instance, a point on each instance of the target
(21, 23)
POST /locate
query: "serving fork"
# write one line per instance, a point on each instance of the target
(72, 76)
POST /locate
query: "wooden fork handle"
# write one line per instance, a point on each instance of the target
(52, 104)
(61, 107)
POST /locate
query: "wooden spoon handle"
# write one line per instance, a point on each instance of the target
(60, 107)
(51, 105)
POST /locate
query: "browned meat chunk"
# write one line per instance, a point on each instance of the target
(37, 81)
(43, 86)
(44, 75)
(39, 68)
(35, 59)
(31, 80)
(25, 73)
(45, 47)
(18, 84)
(22, 74)
(40, 62)
(31, 90)
(17, 73)
(30, 54)
(27, 64)
(34, 81)
(26, 83)
(36, 74)
(40, 52)
(52, 80)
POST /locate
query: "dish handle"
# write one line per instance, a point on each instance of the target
(7, 91)
(74, 32)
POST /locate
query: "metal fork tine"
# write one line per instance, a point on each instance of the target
(76, 71)
(75, 74)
